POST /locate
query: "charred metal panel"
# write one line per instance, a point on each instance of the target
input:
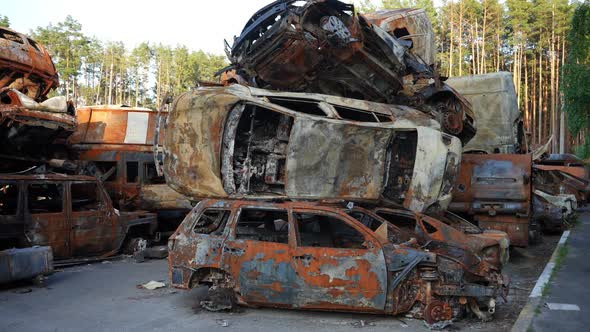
(192, 147)
(496, 190)
(111, 124)
(566, 163)
(499, 121)
(336, 159)
(26, 263)
(161, 196)
(25, 65)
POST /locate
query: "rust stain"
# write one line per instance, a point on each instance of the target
(496, 189)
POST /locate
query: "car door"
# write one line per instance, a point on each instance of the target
(257, 254)
(338, 263)
(11, 218)
(93, 230)
(45, 215)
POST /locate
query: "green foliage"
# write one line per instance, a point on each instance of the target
(576, 75)
(583, 150)
(365, 6)
(4, 21)
(68, 47)
(427, 5)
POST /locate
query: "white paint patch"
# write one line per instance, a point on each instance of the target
(562, 306)
(543, 280)
(137, 127)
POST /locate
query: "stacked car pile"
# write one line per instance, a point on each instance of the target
(44, 215)
(318, 164)
(502, 184)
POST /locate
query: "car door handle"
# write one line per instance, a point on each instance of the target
(304, 257)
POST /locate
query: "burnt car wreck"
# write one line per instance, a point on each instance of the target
(309, 256)
(25, 65)
(324, 46)
(71, 214)
(238, 142)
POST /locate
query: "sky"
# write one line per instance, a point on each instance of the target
(198, 24)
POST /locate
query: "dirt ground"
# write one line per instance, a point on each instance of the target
(104, 296)
(525, 265)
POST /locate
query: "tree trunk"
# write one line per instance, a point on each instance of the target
(482, 62)
(460, 42)
(136, 87)
(451, 42)
(552, 82)
(540, 97)
(110, 99)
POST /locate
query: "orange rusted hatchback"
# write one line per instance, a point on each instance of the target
(311, 256)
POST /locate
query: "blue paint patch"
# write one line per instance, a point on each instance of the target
(268, 272)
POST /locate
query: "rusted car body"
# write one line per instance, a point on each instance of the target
(567, 163)
(29, 122)
(118, 141)
(71, 214)
(28, 128)
(483, 252)
(495, 190)
(308, 256)
(235, 142)
(324, 46)
(25, 263)
(411, 25)
(25, 65)
(556, 181)
(500, 127)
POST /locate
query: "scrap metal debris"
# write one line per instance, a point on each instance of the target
(324, 46)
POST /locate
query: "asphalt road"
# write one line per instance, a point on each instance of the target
(567, 299)
(105, 297)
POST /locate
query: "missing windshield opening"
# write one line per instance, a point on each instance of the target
(256, 138)
(402, 156)
(307, 107)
